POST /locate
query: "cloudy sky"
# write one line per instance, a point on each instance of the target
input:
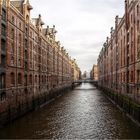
(82, 25)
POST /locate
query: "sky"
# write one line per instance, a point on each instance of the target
(82, 25)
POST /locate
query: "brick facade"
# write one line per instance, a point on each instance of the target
(119, 59)
(33, 63)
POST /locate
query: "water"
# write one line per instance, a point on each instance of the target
(84, 113)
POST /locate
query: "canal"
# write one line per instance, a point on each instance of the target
(84, 113)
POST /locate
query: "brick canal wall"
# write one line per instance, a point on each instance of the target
(13, 109)
(128, 105)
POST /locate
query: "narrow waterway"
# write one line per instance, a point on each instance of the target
(84, 113)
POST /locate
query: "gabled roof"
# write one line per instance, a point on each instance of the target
(16, 3)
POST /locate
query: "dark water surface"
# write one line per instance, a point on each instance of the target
(83, 113)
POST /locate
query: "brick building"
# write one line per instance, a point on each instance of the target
(32, 62)
(94, 73)
(119, 59)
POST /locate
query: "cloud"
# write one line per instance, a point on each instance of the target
(82, 25)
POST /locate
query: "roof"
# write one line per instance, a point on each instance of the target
(17, 3)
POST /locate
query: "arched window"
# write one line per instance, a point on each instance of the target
(12, 78)
(19, 78)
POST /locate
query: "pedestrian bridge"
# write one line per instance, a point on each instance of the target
(86, 81)
(85, 89)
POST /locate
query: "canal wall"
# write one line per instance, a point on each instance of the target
(128, 105)
(11, 110)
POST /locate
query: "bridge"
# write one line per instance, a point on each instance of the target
(85, 81)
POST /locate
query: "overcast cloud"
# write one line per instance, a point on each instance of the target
(82, 25)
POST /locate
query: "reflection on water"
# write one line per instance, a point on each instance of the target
(83, 113)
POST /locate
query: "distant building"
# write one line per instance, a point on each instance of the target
(84, 75)
(76, 73)
(94, 73)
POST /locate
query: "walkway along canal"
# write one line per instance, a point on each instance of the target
(84, 113)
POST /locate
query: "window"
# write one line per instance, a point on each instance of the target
(19, 48)
(2, 96)
(19, 51)
(137, 9)
(30, 79)
(31, 44)
(12, 34)
(12, 53)
(45, 79)
(26, 66)
(12, 60)
(124, 77)
(31, 34)
(132, 33)
(3, 45)
(131, 18)
(138, 76)
(25, 80)
(12, 78)
(26, 43)
(12, 47)
(19, 78)
(132, 77)
(20, 25)
(26, 30)
(128, 37)
(3, 15)
(13, 19)
(19, 62)
(36, 79)
(20, 39)
(26, 55)
(42, 79)
(3, 30)
(2, 81)
(3, 61)
(138, 25)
